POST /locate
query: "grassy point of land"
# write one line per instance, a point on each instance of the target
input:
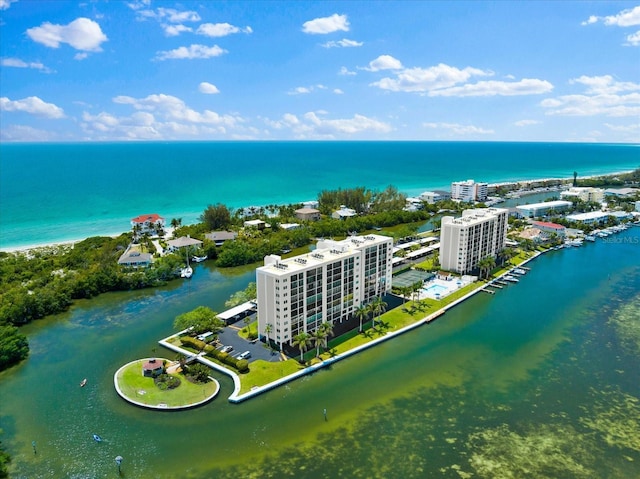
(143, 390)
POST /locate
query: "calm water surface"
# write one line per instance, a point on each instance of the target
(539, 380)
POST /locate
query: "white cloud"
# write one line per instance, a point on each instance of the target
(326, 25)
(384, 62)
(25, 133)
(17, 63)
(635, 127)
(4, 4)
(80, 56)
(428, 79)
(221, 29)
(190, 52)
(357, 124)
(82, 34)
(344, 43)
(311, 125)
(173, 108)
(338, 91)
(633, 39)
(527, 122)
(32, 105)
(175, 30)
(164, 14)
(457, 129)
(345, 71)
(301, 90)
(208, 88)
(160, 116)
(626, 18)
(603, 96)
(526, 86)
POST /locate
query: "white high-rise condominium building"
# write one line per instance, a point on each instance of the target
(469, 191)
(296, 295)
(466, 240)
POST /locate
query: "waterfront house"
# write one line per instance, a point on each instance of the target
(430, 197)
(151, 224)
(135, 259)
(296, 295)
(307, 214)
(622, 192)
(219, 237)
(152, 368)
(182, 242)
(548, 227)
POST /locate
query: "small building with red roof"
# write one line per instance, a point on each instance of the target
(152, 367)
(549, 227)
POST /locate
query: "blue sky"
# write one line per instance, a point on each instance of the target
(306, 70)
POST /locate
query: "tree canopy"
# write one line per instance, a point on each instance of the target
(216, 217)
(200, 320)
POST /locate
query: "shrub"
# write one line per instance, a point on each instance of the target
(165, 381)
(242, 365)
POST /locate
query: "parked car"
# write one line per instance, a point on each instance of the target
(227, 349)
(245, 355)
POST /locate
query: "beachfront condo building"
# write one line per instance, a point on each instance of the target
(466, 240)
(298, 294)
(469, 191)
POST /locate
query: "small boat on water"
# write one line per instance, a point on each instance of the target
(83, 382)
(590, 238)
(97, 438)
(186, 272)
(198, 259)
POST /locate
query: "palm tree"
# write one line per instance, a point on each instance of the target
(327, 329)
(318, 338)
(361, 313)
(302, 340)
(378, 306)
(267, 330)
(486, 264)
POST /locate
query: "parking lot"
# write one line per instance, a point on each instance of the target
(229, 338)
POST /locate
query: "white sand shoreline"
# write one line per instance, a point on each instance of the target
(34, 246)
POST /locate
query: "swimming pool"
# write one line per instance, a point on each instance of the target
(436, 289)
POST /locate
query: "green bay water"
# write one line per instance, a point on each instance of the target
(540, 380)
(53, 192)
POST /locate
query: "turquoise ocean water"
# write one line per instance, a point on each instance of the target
(61, 192)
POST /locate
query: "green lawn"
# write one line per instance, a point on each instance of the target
(263, 372)
(143, 390)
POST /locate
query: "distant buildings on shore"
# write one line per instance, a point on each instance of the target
(584, 193)
(469, 191)
(466, 240)
(296, 295)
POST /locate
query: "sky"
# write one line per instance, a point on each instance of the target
(319, 70)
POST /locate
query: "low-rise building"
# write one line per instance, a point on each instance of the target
(307, 214)
(536, 210)
(622, 192)
(585, 193)
(430, 197)
(343, 213)
(135, 259)
(548, 227)
(256, 224)
(598, 217)
(219, 237)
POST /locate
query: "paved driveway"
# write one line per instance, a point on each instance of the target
(229, 337)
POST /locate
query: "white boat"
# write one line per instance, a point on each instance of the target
(590, 238)
(198, 259)
(97, 438)
(186, 272)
